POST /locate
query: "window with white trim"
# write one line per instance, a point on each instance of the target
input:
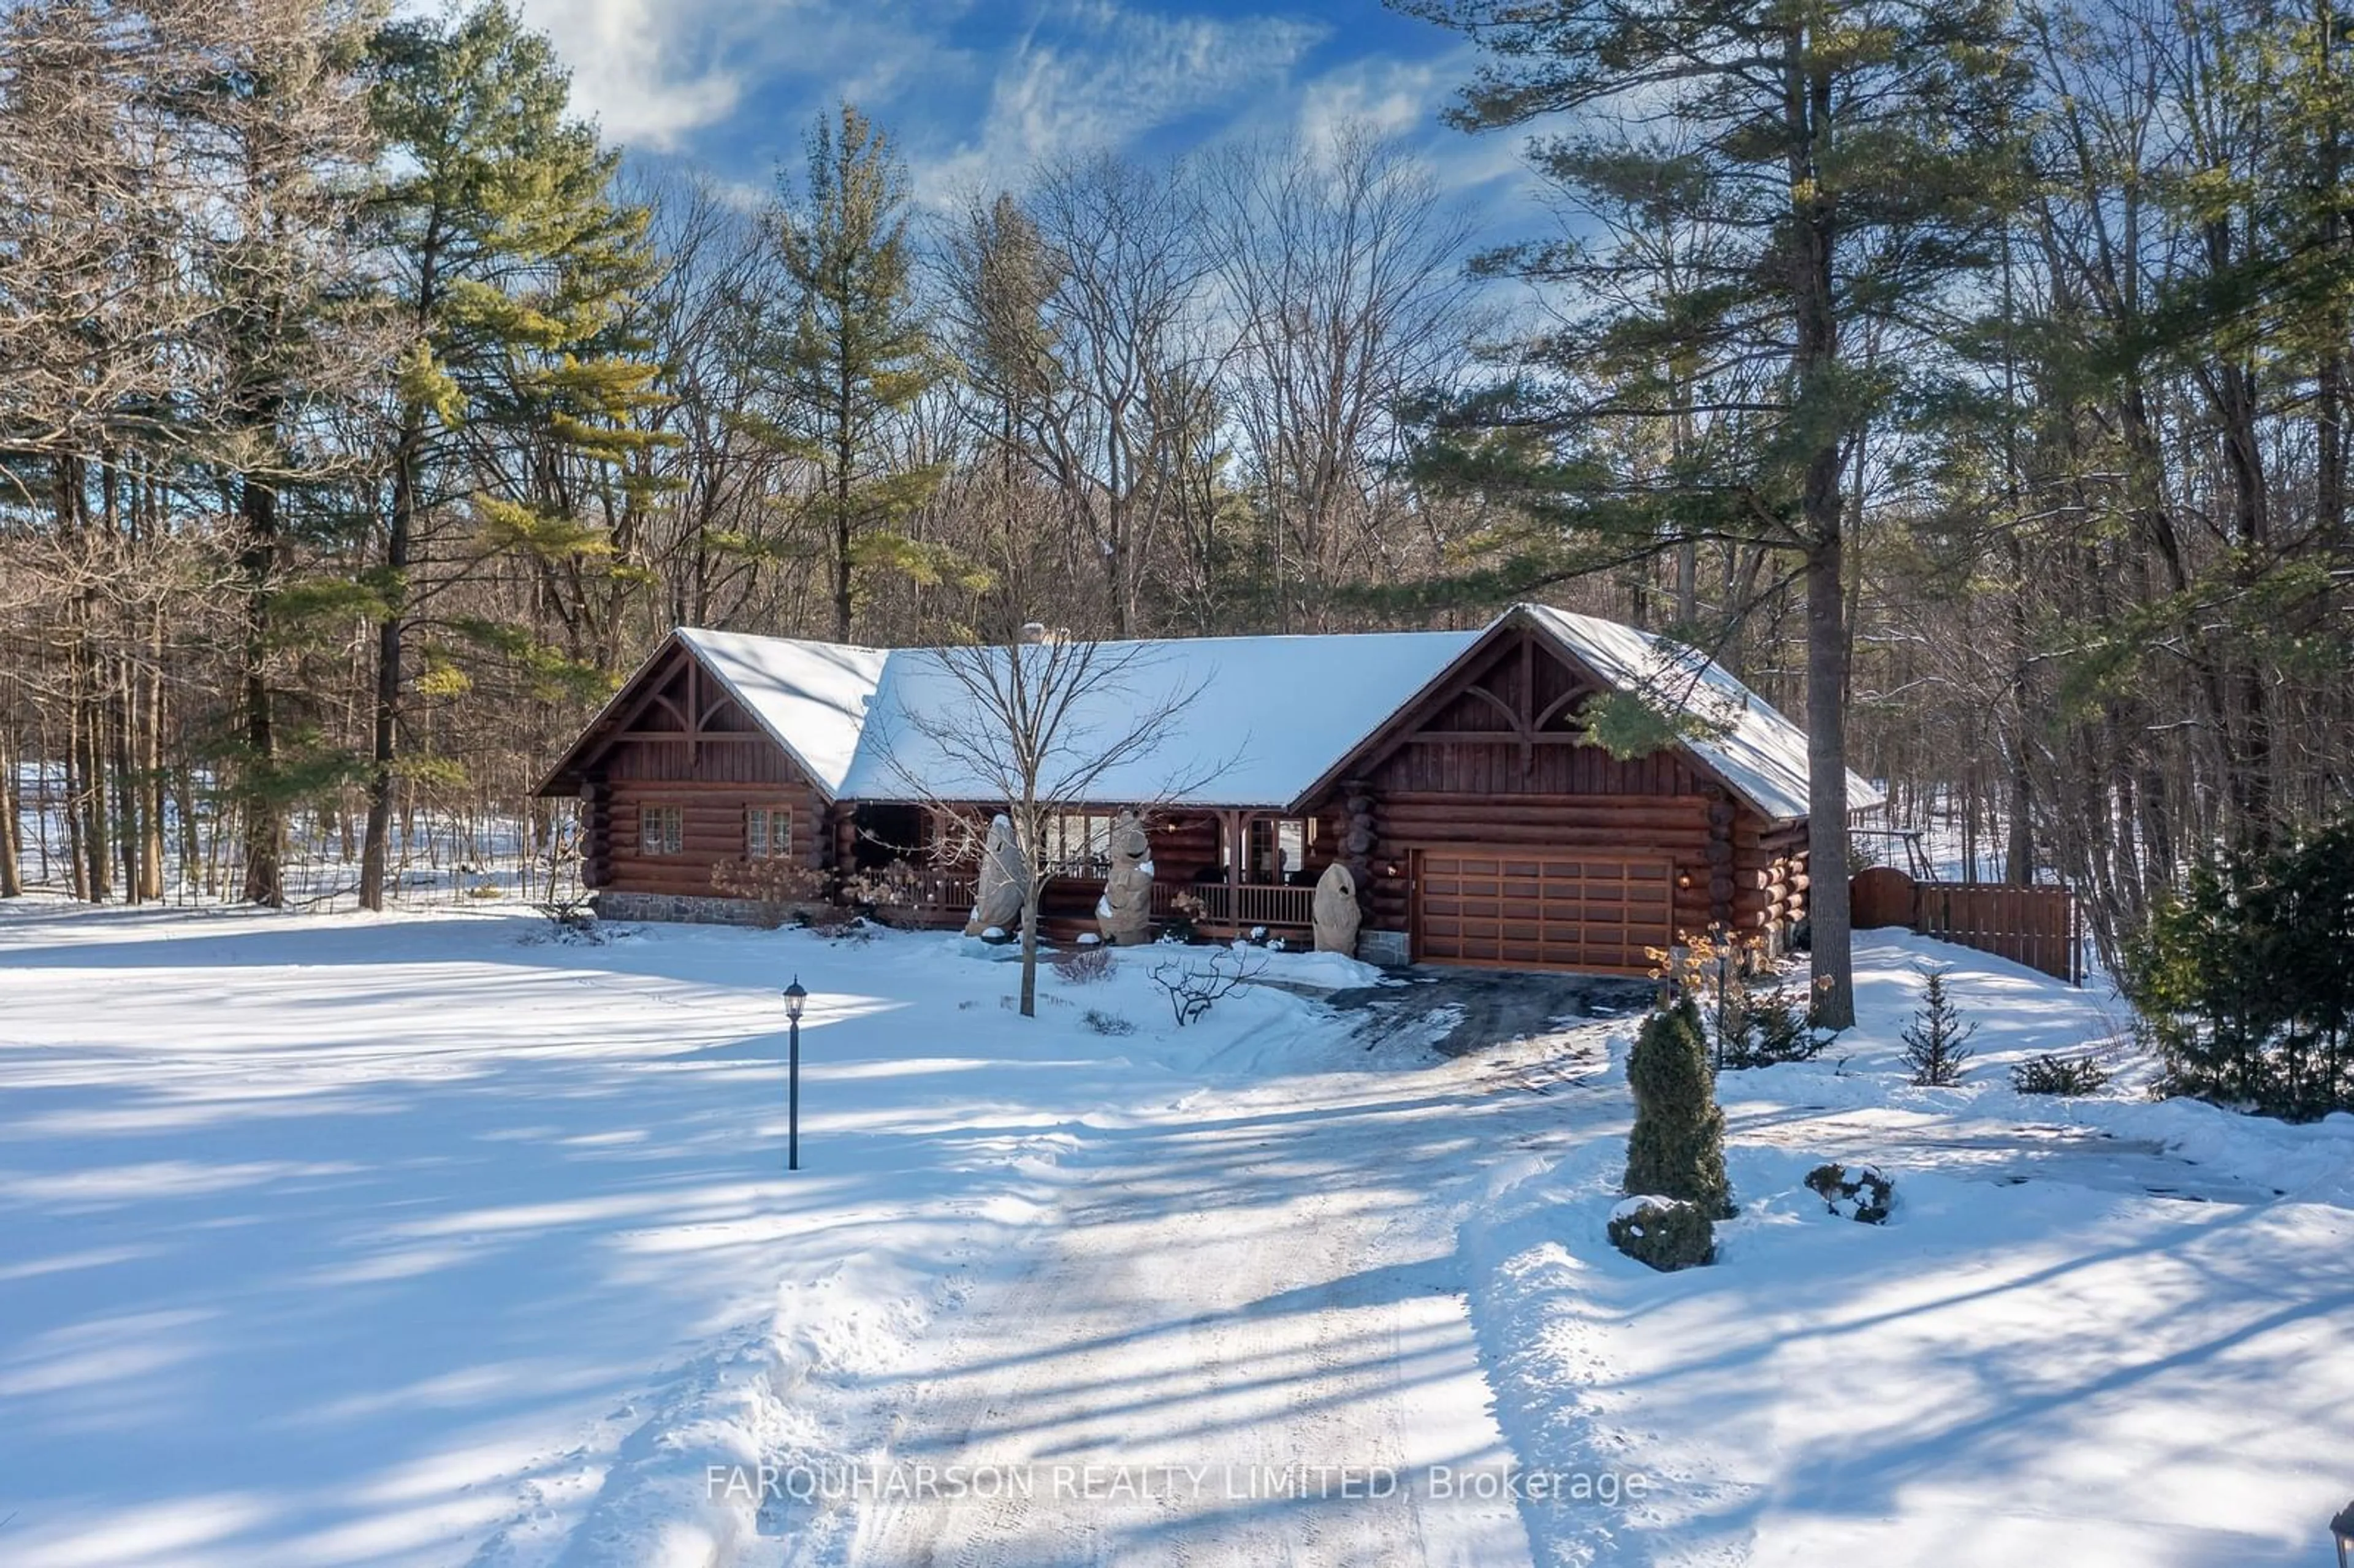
(660, 829)
(768, 831)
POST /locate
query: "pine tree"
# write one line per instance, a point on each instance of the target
(2244, 979)
(1677, 1146)
(1935, 1042)
(276, 117)
(1834, 166)
(855, 352)
(517, 271)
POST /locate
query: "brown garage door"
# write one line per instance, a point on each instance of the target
(1552, 910)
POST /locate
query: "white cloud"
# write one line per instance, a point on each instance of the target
(1403, 99)
(978, 91)
(1092, 75)
(1393, 97)
(642, 67)
(654, 72)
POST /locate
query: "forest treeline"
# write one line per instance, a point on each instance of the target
(364, 417)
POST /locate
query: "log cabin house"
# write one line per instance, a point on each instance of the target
(1451, 770)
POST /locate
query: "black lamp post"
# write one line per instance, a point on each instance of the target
(2342, 1527)
(794, 997)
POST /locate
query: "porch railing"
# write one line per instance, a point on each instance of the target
(1240, 909)
(1253, 904)
(928, 890)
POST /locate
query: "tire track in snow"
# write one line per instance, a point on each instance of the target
(1268, 1282)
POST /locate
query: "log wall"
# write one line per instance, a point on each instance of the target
(712, 830)
(1745, 873)
(1499, 760)
(1502, 760)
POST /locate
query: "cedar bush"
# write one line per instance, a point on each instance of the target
(1677, 1147)
(1667, 1234)
(2245, 980)
(1776, 1028)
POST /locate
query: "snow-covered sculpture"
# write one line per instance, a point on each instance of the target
(1125, 910)
(997, 900)
(1335, 911)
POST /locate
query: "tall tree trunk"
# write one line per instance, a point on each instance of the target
(1815, 365)
(844, 413)
(264, 813)
(98, 853)
(2019, 859)
(12, 873)
(151, 752)
(195, 865)
(1828, 915)
(2330, 378)
(130, 792)
(376, 850)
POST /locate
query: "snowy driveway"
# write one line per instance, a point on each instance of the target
(1247, 1343)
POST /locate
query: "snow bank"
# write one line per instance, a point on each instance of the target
(2020, 1013)
(1323, 971)
(2049, 1352)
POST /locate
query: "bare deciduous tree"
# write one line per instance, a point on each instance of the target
(1340, 268)
(1034, 731)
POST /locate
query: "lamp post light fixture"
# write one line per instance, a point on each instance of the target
(2342, 1527)
(795, 997)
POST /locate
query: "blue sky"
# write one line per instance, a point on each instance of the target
(976, 90)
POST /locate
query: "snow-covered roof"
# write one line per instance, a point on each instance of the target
(1739, 735)
(812, 697)
(1264, 718)
(1261, 718)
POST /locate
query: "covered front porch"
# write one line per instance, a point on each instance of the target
(1221, 872)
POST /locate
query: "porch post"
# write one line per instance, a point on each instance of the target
(1238, 846)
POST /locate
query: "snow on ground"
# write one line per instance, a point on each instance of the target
(1249, 1282)
(426, 1240)
(423, 1240)
(2096, 1331)
(1311, 970)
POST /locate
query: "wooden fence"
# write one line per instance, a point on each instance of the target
(2042, 928)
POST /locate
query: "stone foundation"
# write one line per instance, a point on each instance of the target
(687, 908)
(1391, 950)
